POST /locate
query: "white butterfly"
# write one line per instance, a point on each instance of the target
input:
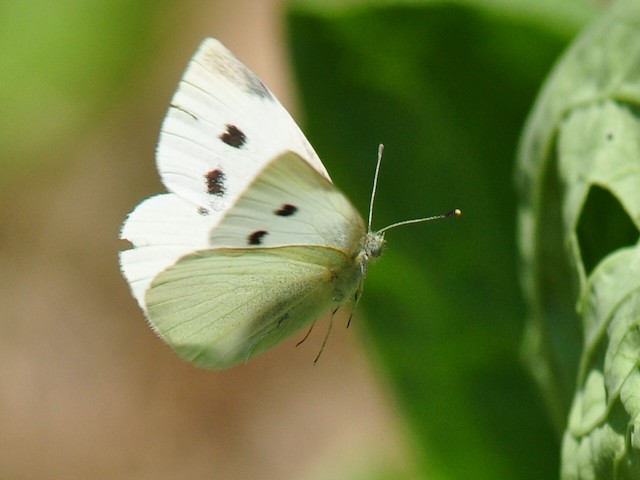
(253, 240)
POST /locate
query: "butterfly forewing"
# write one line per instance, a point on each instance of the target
(289, 203)
(222, 128)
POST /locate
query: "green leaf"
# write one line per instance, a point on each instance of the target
(579, 167)
(446, 87)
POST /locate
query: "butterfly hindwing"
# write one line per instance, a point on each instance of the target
(220, 307)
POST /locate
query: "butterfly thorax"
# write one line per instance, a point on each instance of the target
(372, 248)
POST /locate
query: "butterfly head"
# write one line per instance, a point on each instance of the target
(373, 245)
(372, 248)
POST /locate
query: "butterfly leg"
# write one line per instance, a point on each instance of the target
(326, 337)
(306, 335)
(356, 299)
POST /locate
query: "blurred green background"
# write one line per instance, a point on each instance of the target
(427, 383)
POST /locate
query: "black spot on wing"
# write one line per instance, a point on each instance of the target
(215, 182)
(256, 237)
(286, 210)
(233, 136)
(203, 211)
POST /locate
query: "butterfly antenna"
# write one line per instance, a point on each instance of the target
(453, 213)
(375, 185)
(356, 299)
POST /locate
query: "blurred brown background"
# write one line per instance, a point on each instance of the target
(86, 389)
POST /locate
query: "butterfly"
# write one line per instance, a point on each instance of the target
(252, 241)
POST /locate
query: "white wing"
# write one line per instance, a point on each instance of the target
(222, 128)
(223, 306)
